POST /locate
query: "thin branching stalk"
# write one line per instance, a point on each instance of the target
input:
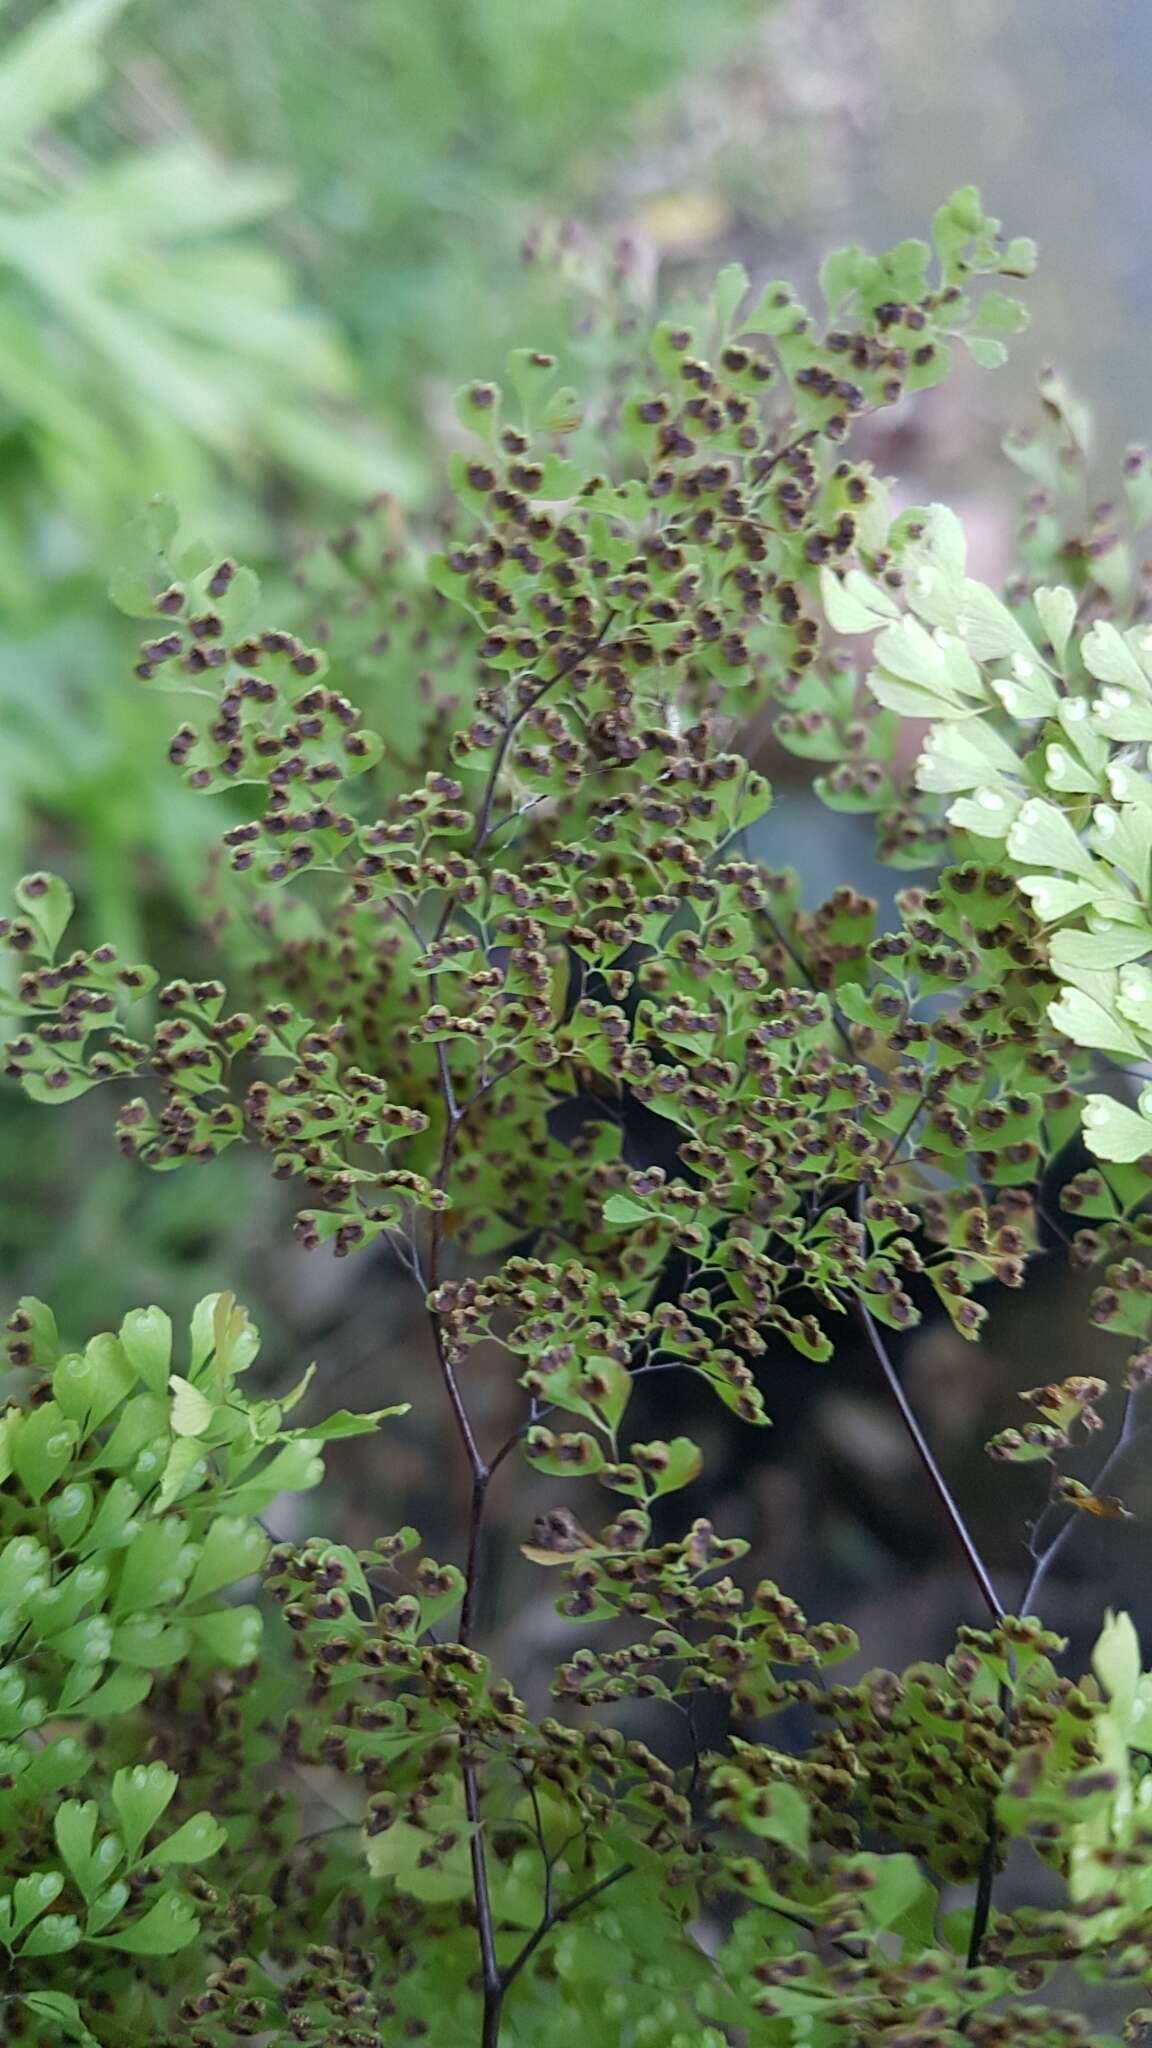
(924, 1452)
(1043, 1560)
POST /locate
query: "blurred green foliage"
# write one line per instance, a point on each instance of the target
(439, 134)
(147, 336)
(148, 340)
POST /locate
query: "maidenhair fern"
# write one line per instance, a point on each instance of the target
(469, 948)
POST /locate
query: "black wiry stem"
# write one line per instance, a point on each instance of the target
(985, 1880)
(927, 1459)
(1043, 1560)
(495, 1983)
(493, 1989)
(567, 666)
(880, 1351)
(556, 1919)
(986, 1875)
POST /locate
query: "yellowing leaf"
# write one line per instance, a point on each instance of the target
(557, 1537)
(1056, 609)
(1107, 1506)
(1043, 835)
(1108, 656)
(1090, 1024)
(854, 604)
(682, 220)
(192, 1412)
(1115, 1132)
(1116, 1658)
